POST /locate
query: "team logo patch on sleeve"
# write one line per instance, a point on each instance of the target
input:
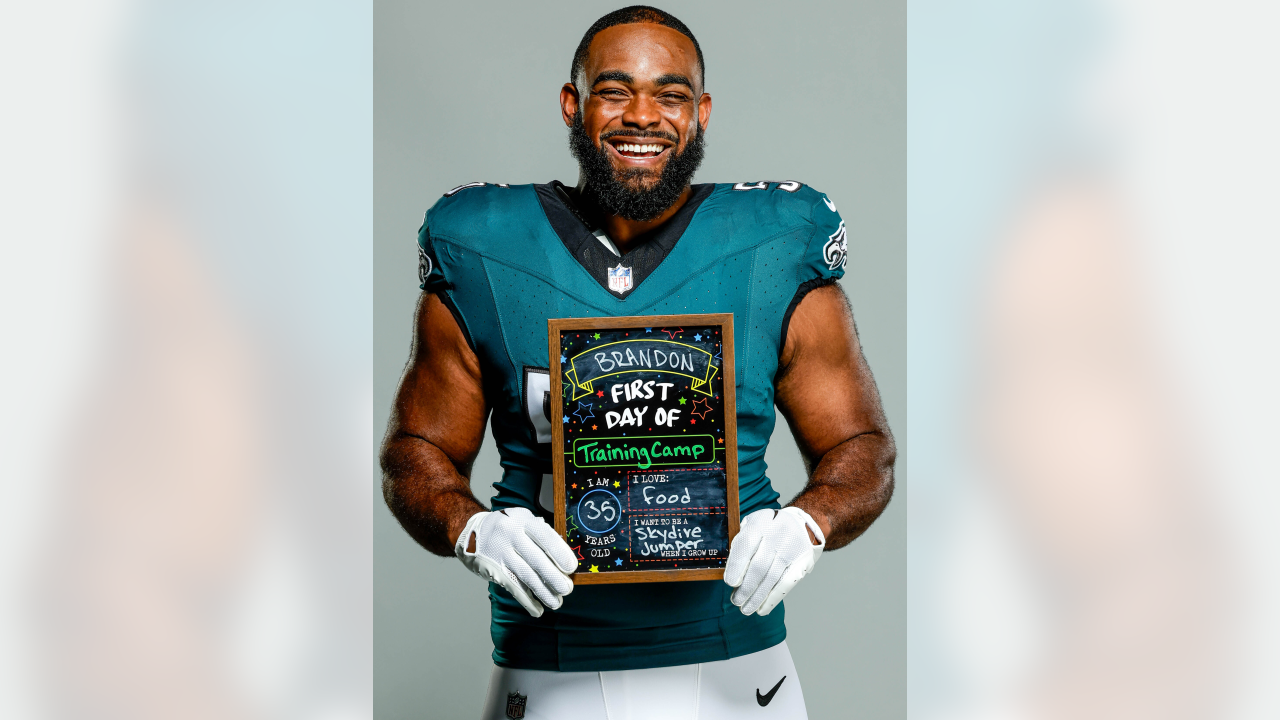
(619, 279)
(424, 265)
(515, 705)
(835, 252)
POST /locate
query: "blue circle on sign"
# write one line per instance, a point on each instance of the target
(597, 519)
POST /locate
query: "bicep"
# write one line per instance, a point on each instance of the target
(441, 398)
(825, 388)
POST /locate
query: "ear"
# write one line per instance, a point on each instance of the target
(704, 110)
(568, 103)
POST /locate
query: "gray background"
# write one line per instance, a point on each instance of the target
(816, 93)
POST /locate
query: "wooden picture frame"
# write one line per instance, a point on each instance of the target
(556, 327)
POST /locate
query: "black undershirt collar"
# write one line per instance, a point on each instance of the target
(575, 220)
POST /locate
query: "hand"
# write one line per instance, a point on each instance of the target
(769, 555)
(520, 552)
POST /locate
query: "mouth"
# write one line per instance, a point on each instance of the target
(639, 149)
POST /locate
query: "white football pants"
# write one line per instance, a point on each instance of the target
(760, 685)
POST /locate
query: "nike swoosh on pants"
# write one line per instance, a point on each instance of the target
(768, 697)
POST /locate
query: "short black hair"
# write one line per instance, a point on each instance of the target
(633, 14)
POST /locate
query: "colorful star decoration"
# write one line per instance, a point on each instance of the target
(697, 337)
(574, 486)
(721, 441)
(681, 401)
(599, 393)
(673, 333)
(583, 408)
(618, 561)
(595, 569)
(563, 360)
(648, 329)
(701, 413)
(597, 336)
(617, 484)
(593, 427)
(566, 418)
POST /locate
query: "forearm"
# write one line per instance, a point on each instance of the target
(426, 492)
(850, 487)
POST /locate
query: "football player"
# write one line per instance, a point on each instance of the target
(634, 237)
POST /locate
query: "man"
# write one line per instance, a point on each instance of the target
(634, 237)
(1029, 333)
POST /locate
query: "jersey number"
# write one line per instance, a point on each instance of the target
(537, 402)
(789, 186)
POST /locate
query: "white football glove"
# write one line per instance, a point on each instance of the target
(522, 553)
(769, 555)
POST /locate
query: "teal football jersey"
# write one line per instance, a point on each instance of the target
(504, 259)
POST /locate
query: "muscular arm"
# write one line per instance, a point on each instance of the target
(163, 488)
(826, 393)
(435, 432)
(1064, 347)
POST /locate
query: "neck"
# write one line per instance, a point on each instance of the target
(623, 232)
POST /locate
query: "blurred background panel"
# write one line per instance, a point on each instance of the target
(813, 92)
(1187, 86)
(59, 146)
(186, 294)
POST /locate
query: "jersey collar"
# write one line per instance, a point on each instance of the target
(575, 222)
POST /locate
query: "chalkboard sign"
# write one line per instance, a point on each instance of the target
(644, 445)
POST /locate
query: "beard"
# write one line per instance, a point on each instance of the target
(635, 193)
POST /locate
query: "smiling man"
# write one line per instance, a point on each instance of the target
(634, 237)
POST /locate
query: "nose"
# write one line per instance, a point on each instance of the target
(641, 112)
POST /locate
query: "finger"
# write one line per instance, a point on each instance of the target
(789, 579)
(767, 583)
(529, 578)
(547, 571)
(521, 594)
(743, 548)
(553, 545)
(757, 570)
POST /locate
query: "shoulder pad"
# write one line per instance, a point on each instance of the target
(793, 202)
(787, 199)
(472, 208)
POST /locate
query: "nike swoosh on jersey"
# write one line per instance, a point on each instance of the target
(768, 697)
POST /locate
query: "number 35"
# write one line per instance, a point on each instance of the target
(606, 509)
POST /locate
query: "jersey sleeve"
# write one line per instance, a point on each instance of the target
(431, 276)
(825, 256)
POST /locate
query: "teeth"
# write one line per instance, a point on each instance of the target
(629, 147)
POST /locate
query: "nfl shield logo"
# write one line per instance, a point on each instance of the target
(515, 705)
(620, 278)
